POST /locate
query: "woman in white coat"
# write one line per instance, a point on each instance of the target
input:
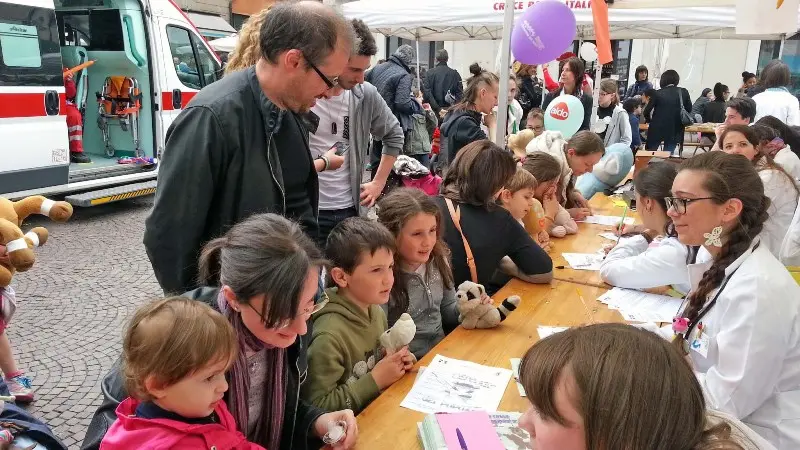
(739, 325)
(778, 185)
(776, 100)
(649, 255)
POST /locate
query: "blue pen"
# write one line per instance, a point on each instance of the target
(461, 440)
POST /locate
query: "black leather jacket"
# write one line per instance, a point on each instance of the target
(220, 166)
(299, 416)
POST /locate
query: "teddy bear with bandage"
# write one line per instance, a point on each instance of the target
(19, 245)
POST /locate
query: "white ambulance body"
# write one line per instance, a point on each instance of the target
(147, 43)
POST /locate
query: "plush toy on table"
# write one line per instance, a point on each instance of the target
(19, 245)
(476, 310)
(608, 172)
(518, 142)
(534, 223)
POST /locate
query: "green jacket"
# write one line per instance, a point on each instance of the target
(344, 348)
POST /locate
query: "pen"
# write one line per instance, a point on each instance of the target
(461, 440)
(585, 308)
(620, 227)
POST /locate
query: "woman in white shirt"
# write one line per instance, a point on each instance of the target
(784, 154)
(778, 185)
(739, 325)
(776, 100)
(652, 256)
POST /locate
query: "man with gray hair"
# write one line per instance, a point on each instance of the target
(348, 115)
(442, 87)
(240, 147)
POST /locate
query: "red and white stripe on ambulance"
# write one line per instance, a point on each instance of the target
(33, 129)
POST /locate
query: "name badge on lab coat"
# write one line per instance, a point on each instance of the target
(700, 344)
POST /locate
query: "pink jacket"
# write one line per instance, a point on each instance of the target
(130, 432)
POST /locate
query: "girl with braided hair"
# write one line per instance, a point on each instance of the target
(739, 325)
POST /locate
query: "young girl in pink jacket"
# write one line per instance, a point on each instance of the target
(175, 355)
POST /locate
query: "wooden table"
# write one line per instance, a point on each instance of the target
(385, 425)
(695, 128)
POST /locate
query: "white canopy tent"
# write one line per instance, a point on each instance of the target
(453, 20)
(226, 44)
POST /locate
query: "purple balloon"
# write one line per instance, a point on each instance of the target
(543, 33)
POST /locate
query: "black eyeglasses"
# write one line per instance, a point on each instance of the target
(328, 82)
(305, 315)
(679, 204)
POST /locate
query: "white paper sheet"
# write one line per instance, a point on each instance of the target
(610, 221)
(584, 261)
(609, 236)
(638, 306)
(545, 331)
(453, 385)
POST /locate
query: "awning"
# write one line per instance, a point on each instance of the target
(210, 25)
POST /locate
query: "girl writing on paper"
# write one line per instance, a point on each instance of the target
(614, 386)
(740, 325)
(649, 255)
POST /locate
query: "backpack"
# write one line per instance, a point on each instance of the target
(420, 140)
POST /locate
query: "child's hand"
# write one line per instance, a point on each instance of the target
(579, 213)
(486, 300)
(389, 369)
(408, 358)
(550, 205)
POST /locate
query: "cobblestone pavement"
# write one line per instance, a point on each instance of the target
(72, 306)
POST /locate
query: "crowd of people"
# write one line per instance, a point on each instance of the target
(278, 282)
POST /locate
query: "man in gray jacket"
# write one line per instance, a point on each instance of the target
(241, 145)
(347, 116)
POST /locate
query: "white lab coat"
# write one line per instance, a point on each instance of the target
(790, 162)
(752, 367)
(780, 190)
(779, 103)
(790, 250)
(635, 264)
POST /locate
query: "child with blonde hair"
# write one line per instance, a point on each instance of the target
(175, 355)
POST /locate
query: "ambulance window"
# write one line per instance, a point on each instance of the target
(20, 45)
(29, 50)
(180, 44)
(208, 65)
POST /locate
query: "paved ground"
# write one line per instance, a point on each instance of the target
(72, 306)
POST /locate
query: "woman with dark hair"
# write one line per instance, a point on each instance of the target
(641, 84)
(714, 111)
(665, 122)
(462, 124)
(748, 81)
(779, 186)
(268, 273)
(740, 325)
(572, 77)
(469, 192)
(699, 105)
(776, 100)
(650, 250)
(785, 151)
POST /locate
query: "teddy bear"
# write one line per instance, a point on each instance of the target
(534, 223)
(19, 246)
(476, 310)
(518, 142)
(400, 335)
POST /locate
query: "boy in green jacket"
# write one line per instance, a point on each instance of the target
(346, 365)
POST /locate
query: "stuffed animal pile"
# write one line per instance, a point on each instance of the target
(476, 310)
(19, 245)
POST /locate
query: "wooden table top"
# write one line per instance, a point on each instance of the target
(695, 128)
(386, 425)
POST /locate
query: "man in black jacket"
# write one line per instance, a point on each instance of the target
(441, 80)
(241, 145)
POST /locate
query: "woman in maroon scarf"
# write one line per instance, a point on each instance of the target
(269, 273)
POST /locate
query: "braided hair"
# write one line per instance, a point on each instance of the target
(727, 177)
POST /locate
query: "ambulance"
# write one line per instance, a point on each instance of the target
(143, 60)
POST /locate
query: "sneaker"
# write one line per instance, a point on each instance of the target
(79, 158)
(20, 387)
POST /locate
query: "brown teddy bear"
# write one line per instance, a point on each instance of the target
(476, 310)
(19, 246)
(518, 142)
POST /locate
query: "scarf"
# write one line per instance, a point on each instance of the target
(268, 430)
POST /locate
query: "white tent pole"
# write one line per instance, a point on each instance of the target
(783, 43)
(505, 69)
(419, 80)
(598, 72)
